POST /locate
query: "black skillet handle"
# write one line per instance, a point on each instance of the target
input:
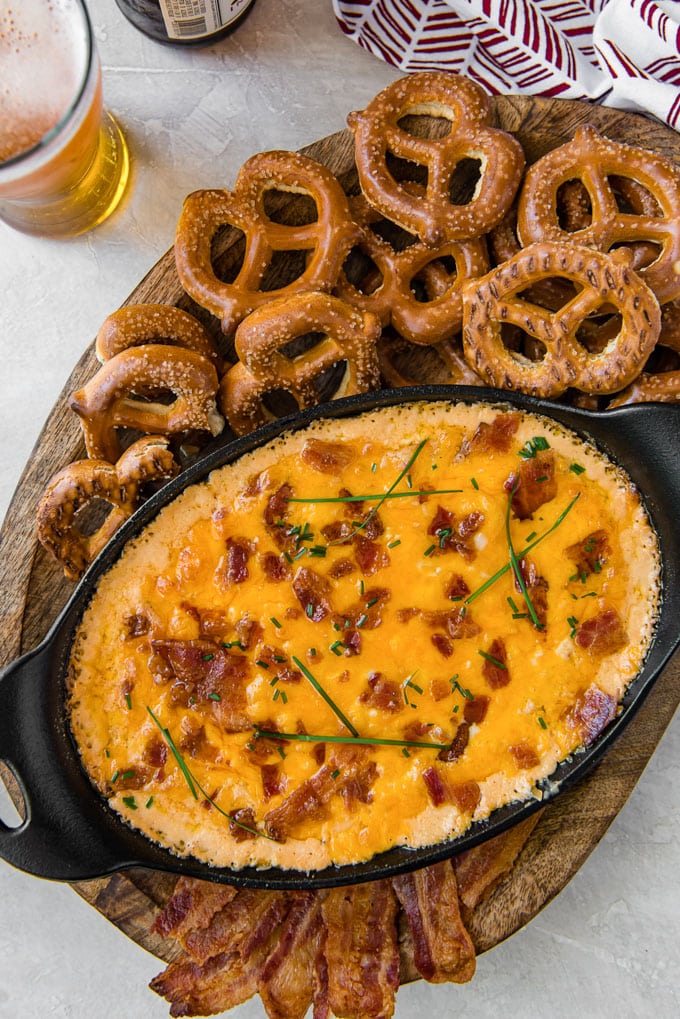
(56, 839)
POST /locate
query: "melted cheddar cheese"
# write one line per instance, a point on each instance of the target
(482, 608)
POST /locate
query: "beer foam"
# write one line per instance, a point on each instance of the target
(43, 62)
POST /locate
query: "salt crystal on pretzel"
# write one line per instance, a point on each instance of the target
(419, 286)
(435, 217)
(498, 300)
(595, 160)
(121, 395)
(325, 241)
(137, 324)
(86, 482)
(346, 335)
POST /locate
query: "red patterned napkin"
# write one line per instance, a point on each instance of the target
(622, 53)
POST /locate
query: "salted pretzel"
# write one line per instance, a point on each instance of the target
(325, 241)
(86, 482)
(595, 160)
(126, 391)
(659, 382)
(138, 324)
(403, 364)
(380, 136)
(601, 280)
(418, 288)
(347, 335)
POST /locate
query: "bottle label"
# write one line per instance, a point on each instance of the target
(192, 19)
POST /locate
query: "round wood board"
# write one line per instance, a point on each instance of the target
(32, 587)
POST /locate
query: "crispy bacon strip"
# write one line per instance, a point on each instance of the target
(443, 950)
(191, 906)
(479, 870)
(361, 950)
(244, 924)
(286, 981)
(222, 982)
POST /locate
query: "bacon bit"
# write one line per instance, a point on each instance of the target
(494, 675)
(537, 589)
(307, 802)
(491, 437)
(133, 777)
(274, 567)
(437, 789)
(193, 740)
(277, 505)
(256, 484)
(238, 553)
(352, 642)
(536, 484)
(591, 713)
(440, 689)
(352, 508)
(475, 710)
(427, 487)
(155, 752)
(525, 756)
(370, 556)
(457, 622)
(249, 632)
(443, 644)
(603, 634)
(342, 568)
(319, 753)
(454, 535)
(405, 615)
(327, 457)
(244, 816)
(456, 588)
(466, 796)
(358, 789)
(337, 532)
(313, 593)
(201, 668)
(273, 783)
(382, 693)
(458, 745)
(372, 528)
(590, 554)
(136, 625)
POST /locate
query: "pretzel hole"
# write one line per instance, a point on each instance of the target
(280, 208)
(280, 402)
(633, 197)
(227, 251)
(645, 253)
(574, 206)
(429, 120)
(595, 334)
(464, 181)
(394, 235)
(91, 516)
(361, 272)
(330, 383)
(284, 267)
(523, 345)
(302, 344)
(405, 170)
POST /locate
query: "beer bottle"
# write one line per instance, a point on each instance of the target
(185, 22)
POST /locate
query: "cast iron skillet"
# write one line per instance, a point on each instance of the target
(70, 833)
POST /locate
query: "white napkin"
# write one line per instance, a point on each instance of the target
(621, 53)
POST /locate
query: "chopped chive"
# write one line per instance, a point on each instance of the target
(328, 699)
(274, 681)
(361, 620)
(207, 657)
(372, 602)
(443, 533)
(276, 695)
(284, 696)
(282, 753)
(589, 594)
(274, 620)
(362, 587)
(530, 537)
(405, 752)
(456, 708)
(288, 556)
(303, 551)
(114, 777)
(128, 774)
(318, 551)
(263, 665)
(214, 697)
(374, 468)
(577, 468)
(393, 544)
(512, 605)
(310, 610)
(409, 481)
(515, 563)
(490, 658)
(430, 550)
(312, 652)
(542, 722)
(149, 802)
(107, 752)
(128, 701)
(434, 467)
(474, 483)
(521, 615)
(334, 774)
(130, 802)
(306, 737)
(336, 647)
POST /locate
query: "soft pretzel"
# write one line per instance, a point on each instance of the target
(121, 395)
(138, 324)
(325, 241)
(379, 136)
(88, 481)
(605, 167)
(601, 280)
(659, 382)
(435, 312)
(347, 335)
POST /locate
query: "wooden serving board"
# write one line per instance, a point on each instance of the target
(32, 588)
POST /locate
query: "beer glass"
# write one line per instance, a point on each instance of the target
(64, 162)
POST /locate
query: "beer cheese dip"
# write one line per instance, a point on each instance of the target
(365, 634)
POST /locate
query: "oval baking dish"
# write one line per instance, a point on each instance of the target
(71, 833)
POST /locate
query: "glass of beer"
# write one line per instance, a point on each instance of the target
(64, 162)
